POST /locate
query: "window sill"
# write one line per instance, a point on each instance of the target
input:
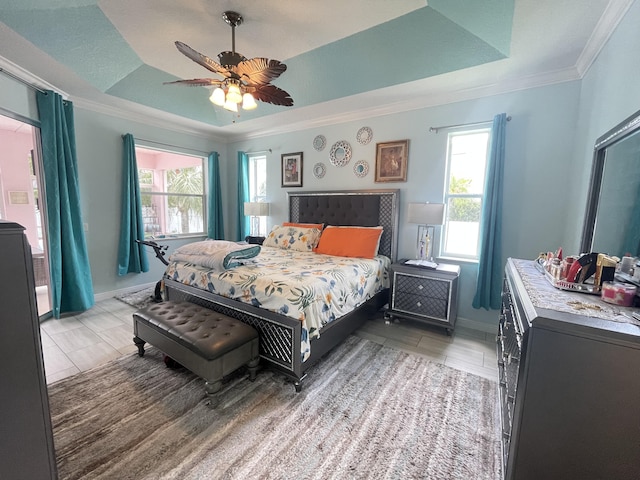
(175, 237)
(458, 260)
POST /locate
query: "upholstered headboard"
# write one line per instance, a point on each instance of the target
(367, 208)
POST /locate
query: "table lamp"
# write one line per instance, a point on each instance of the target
(426, 215)
(256, 210)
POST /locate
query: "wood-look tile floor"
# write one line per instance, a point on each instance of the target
(79, 343)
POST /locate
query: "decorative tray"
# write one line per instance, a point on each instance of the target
(569, 286)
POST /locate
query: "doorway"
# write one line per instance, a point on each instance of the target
(22, 197)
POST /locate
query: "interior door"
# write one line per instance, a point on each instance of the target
(23, 196)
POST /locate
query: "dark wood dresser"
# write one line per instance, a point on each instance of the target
(26, 437)
(569, 373)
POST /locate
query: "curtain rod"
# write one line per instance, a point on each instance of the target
(24, 82)
(171, 146)
(446, 127)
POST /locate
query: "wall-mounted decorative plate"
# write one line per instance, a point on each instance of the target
(340, 153)
(364, 135)
(319, 170)
(319, 142)
(361, 168)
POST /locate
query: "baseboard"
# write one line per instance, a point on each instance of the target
(477, 325)
(107, 295)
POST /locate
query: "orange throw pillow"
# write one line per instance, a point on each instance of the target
(361, 242)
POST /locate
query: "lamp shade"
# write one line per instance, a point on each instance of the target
(256, 209)
(426, 213)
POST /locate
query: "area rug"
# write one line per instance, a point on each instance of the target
(365, 411)
(138, 299)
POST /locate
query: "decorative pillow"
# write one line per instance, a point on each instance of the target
(361, 242)
(293, 238)
(319, 226)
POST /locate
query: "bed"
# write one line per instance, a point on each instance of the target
(282, 338)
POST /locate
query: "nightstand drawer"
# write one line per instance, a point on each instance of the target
(420, 305)
(421, 286)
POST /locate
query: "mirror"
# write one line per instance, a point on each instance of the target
(319, 170)
(612, 219)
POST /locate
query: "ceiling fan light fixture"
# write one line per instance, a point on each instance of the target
(248, 102)
(233, 93)
(217, 97)
(231, 106)
(240, 75)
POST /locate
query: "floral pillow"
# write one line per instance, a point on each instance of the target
(293, 238)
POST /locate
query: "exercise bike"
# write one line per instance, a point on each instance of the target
(160, 251)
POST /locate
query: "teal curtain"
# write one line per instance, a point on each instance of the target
(215, 220)
(71, 284)
(132, 257)
(243, 195)
(490, 268)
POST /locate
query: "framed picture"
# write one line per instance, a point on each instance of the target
(292, 169)
(391, 161)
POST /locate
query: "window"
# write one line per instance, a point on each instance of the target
(172, 191)
(258, 187)
(464, 192)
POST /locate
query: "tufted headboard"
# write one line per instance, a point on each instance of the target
(366, 208)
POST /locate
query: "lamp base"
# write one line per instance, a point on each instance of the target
(255, 226)
(424, 243)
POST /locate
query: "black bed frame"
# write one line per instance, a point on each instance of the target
(280, 335)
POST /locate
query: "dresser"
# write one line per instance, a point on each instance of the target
(428, 295)
(26, 439)
(569, 382)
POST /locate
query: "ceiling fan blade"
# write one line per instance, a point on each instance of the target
(197, 82)
(259, 71)
(270, 94)
(203, 60)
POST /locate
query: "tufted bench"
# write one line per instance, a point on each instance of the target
(208, 343)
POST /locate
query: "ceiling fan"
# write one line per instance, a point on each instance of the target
(244, 80)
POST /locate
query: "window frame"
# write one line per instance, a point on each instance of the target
(166, 194)
(254, 174)
(448, 196)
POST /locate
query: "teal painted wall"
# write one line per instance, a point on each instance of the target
(99, 149)
(549, 142)
(610, 92)
(538, 151)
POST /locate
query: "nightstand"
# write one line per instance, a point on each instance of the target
(428, 295)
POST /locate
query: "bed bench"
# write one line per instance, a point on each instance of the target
(208, 343)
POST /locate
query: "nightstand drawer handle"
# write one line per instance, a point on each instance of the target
(420, 287)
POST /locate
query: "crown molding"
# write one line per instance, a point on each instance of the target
(151, 117)
(27, 78)
(423, 101)
(607, 24)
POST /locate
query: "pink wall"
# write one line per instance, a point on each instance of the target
(16, 177)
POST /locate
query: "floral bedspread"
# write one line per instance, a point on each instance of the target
(313, 288)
